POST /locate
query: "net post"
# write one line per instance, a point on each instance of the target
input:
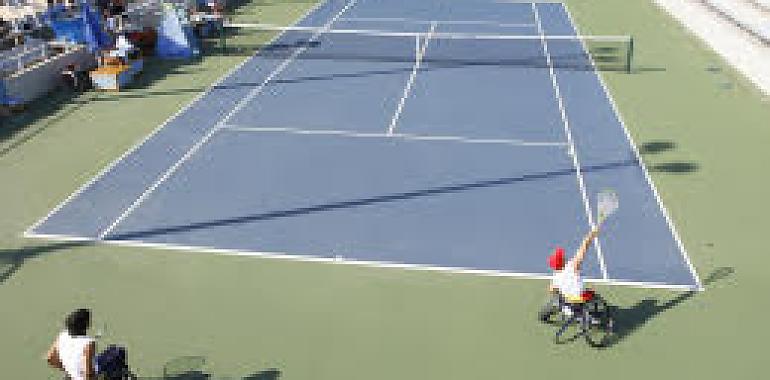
(223, 31)
(222, 38)
(630, 55)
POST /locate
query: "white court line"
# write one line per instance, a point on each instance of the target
(155, 131)
(573, 151)
(405, 136)
(440, 22)
(221, 124)
(638, 156)
(345, 261)
(419, 53)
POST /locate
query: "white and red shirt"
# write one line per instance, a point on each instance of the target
(569, 282)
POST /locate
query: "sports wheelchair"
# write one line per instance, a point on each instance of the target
(593, 318)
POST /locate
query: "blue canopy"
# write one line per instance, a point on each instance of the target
(86, 29)
(175, 40)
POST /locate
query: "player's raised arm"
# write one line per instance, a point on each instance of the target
(584, 247)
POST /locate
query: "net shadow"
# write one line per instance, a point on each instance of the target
(11, 260)
(378, 199)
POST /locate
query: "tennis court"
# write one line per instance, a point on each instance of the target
(428, 144)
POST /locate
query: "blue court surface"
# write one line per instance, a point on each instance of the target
(343, 148)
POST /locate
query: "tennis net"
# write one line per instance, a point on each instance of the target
(590, 52)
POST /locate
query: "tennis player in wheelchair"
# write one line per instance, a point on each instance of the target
(567, 290)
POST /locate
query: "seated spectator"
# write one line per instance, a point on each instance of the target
(103, 5)
(117, 8)
(73, 351)
(74, 79)
(69, 76)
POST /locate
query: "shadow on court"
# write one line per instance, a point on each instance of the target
(48, 110)
(268, 374)
(379, 199)
(675, 167)
(191, 368)
(56, 107)
(656, 146)
(185, 368)
(630, 319)
(11, 260)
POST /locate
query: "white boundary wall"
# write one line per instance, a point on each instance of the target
(740, 49)
(39, 79)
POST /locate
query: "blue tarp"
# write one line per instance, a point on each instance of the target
(2, 92)
(86, 28)
(174, 39)
(95, 36)
(7, 100)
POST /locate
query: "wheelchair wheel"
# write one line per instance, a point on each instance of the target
(597, 322)
(549, 312)
(570, 328)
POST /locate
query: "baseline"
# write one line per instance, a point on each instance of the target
(336, 259)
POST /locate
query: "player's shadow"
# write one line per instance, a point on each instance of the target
(11, 260)
(630, 319)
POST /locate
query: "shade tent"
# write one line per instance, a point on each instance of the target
(95, 36)
(86, 28)
(175, 38)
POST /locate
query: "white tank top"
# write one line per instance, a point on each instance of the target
(569, 282)
(71, 350)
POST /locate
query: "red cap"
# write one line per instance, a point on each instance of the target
(556, 260)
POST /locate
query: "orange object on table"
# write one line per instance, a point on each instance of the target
(110, 78)
(112, 61)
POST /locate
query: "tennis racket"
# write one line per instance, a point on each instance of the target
(607, 203)
(99, 329)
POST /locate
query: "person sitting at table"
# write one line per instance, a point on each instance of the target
(74, 79)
